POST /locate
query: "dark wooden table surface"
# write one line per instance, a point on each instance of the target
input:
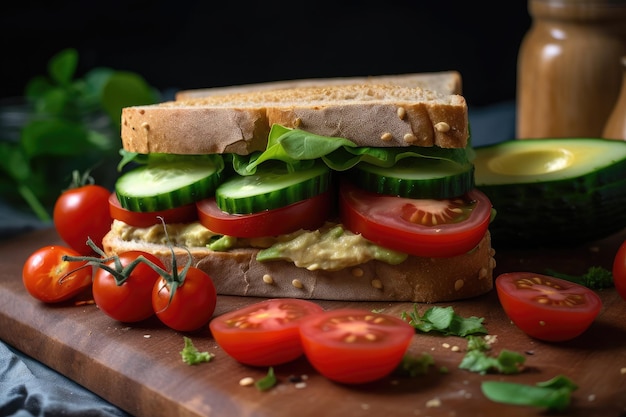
(139, 367)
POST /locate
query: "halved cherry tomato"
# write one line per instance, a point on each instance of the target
(430, 228)
(308, 214)
(183, 214)
(355, 346)
(190, 306)
(545, 307)
(265, 333)
(50, 279)
(619, 270)
(132, 300)
(81, 213)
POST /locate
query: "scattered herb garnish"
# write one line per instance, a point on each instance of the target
(553, 394)
(477, 358)
(267, 382)
(413, 365)
(191, 355)
(596, 277)
(444, 320)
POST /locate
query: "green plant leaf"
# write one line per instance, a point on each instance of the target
(62, 66)
(55, 137)
(14, 163)
(36, 87)
(124, 89)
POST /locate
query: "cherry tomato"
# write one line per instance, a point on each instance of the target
(50, 279)
(132, 300)
(265, 333)
(619, 270)
(429, 228)
(308, 214)
(545, 307)
(192, 303)
(80, 213)
(183, 214)
(355, 346)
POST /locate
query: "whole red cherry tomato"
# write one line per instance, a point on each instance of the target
(50, 279)
(82, 212)
(619, 270)
(187, 302)
(126, 294)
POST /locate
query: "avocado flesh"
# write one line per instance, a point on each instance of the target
(553, 192)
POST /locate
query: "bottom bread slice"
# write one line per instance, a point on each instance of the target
(417, 279)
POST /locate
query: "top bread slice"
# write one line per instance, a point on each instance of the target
(376, 115)
(447, 82)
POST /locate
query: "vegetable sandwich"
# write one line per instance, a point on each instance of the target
(354, 189)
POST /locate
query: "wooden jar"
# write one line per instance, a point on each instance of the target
(569, 72)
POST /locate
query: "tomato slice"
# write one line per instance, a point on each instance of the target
(427, 227)
(264, 333)
(355, 345)
(545, 307)
(307, 214)
(619, 270)
(183, 214)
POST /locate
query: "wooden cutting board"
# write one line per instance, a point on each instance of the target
(139, 367)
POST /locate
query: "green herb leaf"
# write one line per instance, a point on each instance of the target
(267, 381)
(444, 320)
(413, 366)
(477, 358)
(191, 355)
(554, 394)
(596, 277)
(124, 89)
(63, 65)
(507, 362)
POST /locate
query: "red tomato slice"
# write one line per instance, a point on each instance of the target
(308, 214)
(183, 214)
(545, 307)
(619, 270)
(430, 228)
(355, 346)
(264, 333)
(48, 278)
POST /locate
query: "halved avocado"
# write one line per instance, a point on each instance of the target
(553, 192)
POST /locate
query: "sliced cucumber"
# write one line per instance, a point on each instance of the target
(271, 188)
(550, 192)
(169, 182)
(426, 178)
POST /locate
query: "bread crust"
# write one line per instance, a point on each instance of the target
(239, 123)
(418, 279)
(447, 82)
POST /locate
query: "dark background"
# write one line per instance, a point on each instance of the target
(194, 44)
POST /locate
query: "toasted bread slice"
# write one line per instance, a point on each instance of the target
(377, 115)
(417, 279)
(447, 82)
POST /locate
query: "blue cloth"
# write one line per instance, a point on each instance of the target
(31, 389)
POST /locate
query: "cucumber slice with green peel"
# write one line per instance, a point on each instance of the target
(409, 178)
(553, 192)
(271, 187)
(169, 183)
